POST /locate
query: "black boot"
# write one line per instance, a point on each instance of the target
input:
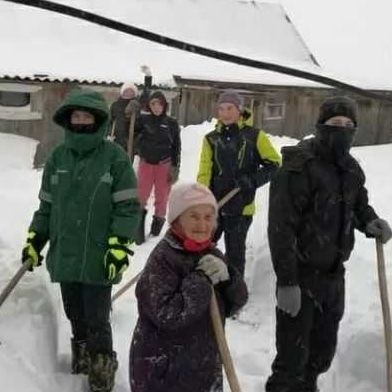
(102, 371)
(156, 225)
(140, 233)
(80, 357)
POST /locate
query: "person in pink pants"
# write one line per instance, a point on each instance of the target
(158, 144)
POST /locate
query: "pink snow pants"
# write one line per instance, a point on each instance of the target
(157, 176)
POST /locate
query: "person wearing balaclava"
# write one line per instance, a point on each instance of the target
(88, 214)
(317, 199)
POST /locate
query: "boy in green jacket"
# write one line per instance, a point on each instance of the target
(88, 212)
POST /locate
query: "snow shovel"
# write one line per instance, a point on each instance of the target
(222, 345)
(13, 282)
(128, 285)
(385, 311)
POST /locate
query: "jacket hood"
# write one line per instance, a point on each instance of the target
(158, 95)
(89, 101)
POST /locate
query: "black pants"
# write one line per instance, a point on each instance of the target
(88, 309)
(235, 229)
(306, 344)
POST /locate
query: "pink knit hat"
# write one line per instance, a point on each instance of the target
(186, 195)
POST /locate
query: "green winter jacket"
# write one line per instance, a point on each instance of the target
(88, 194)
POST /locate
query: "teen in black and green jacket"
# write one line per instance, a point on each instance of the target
(236, 155)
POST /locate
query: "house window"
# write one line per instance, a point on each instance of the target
(274, 111)
(14, 99)
(19, 101)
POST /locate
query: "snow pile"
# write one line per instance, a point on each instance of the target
(34, 335)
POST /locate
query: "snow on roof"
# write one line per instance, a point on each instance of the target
(60, 47)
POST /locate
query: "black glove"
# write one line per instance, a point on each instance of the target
(246, 184)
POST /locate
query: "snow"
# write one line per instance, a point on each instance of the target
(34, 335)
(65, 47)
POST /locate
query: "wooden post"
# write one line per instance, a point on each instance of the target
(386, 312)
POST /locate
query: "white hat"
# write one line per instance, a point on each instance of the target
(186, 195)
(128, 85)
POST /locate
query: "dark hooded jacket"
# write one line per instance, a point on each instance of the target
(157, 138)
(315, 205)
(173, 346)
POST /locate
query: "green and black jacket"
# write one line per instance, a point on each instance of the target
(232, 152)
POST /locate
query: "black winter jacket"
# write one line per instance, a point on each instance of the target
(173, 346)
(315, 205)
(157, 138)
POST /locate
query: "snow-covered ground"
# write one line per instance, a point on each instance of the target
(34, 335)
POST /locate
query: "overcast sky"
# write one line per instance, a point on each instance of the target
(351, 37)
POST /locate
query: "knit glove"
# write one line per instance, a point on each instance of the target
(214, 268)
(289, 299)
(32, 249)
(116, 259)
(380, 229)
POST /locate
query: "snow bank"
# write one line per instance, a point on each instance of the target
(34, 335)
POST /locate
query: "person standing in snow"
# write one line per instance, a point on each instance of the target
(236, 155)
(88, 212)
(127, 105)
(158, 145)
(317, 199)
(173, 346)
(121, 112)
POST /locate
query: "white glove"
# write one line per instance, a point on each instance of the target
(289, 299)
(146, 70)
(214, 268)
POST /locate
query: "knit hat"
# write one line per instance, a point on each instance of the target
(126, 86)
(186, 195)
(231, 96)
(338, 106)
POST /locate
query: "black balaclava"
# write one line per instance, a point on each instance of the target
(335, 140)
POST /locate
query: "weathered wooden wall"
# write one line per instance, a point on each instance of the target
(301, 110)
(193, 105)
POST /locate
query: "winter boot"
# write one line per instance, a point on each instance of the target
(102, 370)
(80, 357)
(140, 233)
(156, 225)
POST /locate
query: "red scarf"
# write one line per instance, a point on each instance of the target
(190, 245)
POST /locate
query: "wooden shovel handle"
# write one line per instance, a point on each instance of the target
(13, 282)
(222, 345)
(385, 310)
